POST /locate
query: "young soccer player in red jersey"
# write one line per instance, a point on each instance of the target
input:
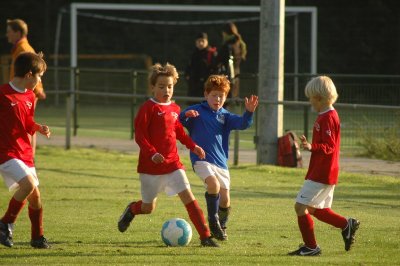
(17, 35)
(16, 161)
(157, 128)
(316, 196)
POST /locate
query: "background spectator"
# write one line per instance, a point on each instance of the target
(201, 65)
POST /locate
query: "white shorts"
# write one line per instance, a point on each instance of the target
(316, 195)
(205, 169)
(172, 183)
(15, 170)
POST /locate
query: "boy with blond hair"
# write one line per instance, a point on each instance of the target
(157, 128)
(209, 125)
(316, 196)
(17, 106)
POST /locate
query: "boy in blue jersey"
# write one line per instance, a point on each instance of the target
(209, 125)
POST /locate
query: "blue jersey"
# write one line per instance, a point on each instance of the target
(211, 129)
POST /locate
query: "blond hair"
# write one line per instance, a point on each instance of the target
(18, 25)
(167, 70)
(217, 83)
(323, 87)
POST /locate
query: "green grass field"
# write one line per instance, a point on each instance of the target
(85, 190)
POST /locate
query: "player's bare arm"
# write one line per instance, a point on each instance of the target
(251, 103)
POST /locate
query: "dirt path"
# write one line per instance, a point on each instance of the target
(348, 164)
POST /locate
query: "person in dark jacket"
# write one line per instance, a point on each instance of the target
(201, 65)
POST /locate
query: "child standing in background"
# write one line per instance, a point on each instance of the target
(316, 196)
(157, 128)
(202, 64)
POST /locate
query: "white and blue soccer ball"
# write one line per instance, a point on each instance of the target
(176, 232)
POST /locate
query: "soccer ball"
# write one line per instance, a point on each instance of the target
(176, 232)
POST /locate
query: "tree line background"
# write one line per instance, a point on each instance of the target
(354, 37)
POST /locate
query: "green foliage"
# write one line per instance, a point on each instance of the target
(85, 190)
(385, 146)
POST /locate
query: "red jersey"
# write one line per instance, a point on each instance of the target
(325, 146)
(16, 122)
(157, 128)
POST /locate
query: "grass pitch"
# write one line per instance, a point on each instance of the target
(85, 190)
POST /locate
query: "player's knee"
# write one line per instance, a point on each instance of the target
(34, 199)
(300, 209)
(27, 185)
(213, 185)
(297, 207)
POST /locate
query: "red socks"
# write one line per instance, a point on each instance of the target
(306, 225)
(330, 217)
(136, 208)
(36, 217)
(197, 217)
(14, 208)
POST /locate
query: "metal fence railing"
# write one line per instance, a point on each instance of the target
(106, 101)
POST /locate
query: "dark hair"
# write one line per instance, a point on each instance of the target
(202, 35)
(231, 29)
(29, 62)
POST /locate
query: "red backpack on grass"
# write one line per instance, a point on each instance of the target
(289, 151)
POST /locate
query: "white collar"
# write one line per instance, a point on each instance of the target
(329, 109)
(153, 100)
(16, 89)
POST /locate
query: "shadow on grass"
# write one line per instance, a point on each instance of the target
(96, 249)
(69, 172)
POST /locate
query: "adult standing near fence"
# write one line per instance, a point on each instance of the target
(201, 65)
(17, 33)
(232, 52)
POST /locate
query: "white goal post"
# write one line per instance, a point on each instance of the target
(188, 8)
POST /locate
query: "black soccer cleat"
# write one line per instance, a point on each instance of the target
(208, 242)
(225, 235)
(216, 231)
(6, 231)
(349, 233)
(306, 251)
(40, 243)
(126, 218)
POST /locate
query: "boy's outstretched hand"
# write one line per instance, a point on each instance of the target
(199, 152)
(251, 103)
(43, 129)
(191, 113)
(304, 143)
